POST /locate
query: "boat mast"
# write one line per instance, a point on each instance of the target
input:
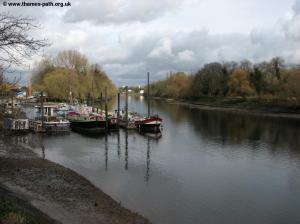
(106, 109)
(92, 100)
(126, 106)
(118, 112)
(148, 95)
(29, 86)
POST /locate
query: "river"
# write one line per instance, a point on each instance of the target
(207, 167)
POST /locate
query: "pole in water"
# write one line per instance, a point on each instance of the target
(106, 112)
(126, 106)
(42, 109)
(148, 94)
(12, 103)
(101, 103)
(118, 112)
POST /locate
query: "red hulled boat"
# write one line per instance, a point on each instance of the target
(151, 124)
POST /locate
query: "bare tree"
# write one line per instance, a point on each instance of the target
(15, 42)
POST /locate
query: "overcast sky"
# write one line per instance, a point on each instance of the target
(130, 37)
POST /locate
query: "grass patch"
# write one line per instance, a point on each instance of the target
(10, 214)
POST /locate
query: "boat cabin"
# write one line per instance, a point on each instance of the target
(16, 125)
(48, 111)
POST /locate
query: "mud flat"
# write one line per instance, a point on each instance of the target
(58, 194)
(243, 107)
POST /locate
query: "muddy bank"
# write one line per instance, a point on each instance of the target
(243, 107)
(56, 191)
(12, 203)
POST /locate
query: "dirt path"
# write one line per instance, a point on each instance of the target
(57, 191)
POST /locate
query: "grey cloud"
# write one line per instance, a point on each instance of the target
(296, 7)
(137, 51)
(291, 28)
(171, 51)
(119, 11)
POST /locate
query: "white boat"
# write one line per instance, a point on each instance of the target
(47, 121)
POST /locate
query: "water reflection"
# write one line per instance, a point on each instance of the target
(233, 128)
(126, 149)
(147, 176)
(16, 140)
(106, 150)
(107, 147)
(155, 136)
(32, 142)
(119, 145)
(43, 151)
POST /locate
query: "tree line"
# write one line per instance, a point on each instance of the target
(70, 75)
(231, 79)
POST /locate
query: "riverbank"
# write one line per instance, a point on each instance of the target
(55, 191)
(15, 210)
(252, 106)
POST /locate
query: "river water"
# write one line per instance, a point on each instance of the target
(207, 167)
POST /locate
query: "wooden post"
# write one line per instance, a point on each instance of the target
(101, 103)
(148, 95)
(106, 112)
(118, 112)
(126, 106)
(92, 100)
(12, 103)
(42, 109)
(71, 98)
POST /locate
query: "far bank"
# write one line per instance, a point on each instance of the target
(280, 108)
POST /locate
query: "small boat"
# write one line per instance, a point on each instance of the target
(92, 124)
(50, 125)
(16, 125)
(47, 121)
(14, 119)
(149, 124)
(113, 123)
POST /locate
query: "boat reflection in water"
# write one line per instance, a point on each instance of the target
(148, 136)
(31, 142)
(147, 175)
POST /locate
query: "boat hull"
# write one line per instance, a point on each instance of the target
(49, 127)
(57, 127)
(88, 131)
(151, 124)
(88, 127)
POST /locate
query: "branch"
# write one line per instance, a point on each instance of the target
(15, 43)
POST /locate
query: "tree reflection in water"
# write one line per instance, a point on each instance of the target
(234, 128)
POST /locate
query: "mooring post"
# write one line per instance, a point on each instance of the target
(148, 94)
(101, 103)
(42, 109)
(126, 106)
(106, 109)
(118, 112)
(12, 103)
